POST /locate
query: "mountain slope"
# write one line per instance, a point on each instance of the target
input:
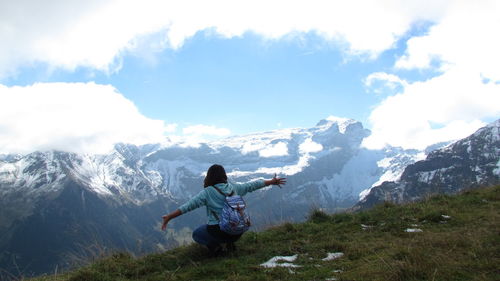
(470, 162)
(115, 200)
(458, 240)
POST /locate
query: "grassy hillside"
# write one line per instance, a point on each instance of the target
(464, 244)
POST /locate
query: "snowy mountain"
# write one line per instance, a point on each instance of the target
(467, 163)
(56, 204)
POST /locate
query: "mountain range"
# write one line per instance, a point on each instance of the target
(57, 208)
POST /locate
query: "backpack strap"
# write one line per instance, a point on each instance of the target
(215, 215)
(225, 195)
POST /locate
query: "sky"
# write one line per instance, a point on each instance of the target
(80, 76)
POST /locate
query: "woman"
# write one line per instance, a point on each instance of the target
(210, 234)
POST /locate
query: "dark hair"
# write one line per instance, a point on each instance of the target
(215, 174)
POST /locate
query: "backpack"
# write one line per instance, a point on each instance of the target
(233, 219)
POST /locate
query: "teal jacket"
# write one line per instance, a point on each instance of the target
(214, 201)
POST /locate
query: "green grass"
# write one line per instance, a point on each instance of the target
(463, 247)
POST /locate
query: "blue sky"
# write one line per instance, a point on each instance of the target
(181, 72)
(246, 84)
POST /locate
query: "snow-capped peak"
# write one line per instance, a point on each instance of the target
(342, 123)
(493, 128)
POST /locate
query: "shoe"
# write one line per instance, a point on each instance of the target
(215, 251)
(231, 247)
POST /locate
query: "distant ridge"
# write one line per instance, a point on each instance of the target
(467, 163)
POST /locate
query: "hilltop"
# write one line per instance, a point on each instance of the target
(444, 237)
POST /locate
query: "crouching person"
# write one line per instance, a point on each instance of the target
(227, 219)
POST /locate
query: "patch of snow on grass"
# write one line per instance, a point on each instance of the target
(413, 230)
(333, 256)
(366, 227)
(273, 262)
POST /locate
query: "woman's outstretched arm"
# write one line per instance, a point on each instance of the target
(167, 218)
(244, 188)
(199, 200)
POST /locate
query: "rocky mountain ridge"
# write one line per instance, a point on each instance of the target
(467, 163)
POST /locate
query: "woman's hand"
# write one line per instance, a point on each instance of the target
(275, 181)
(279, 181)
(167, 218)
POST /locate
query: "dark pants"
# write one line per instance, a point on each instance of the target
(211, 236)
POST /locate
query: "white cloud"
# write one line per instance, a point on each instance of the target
(200, 130)
(465, 37)
(463, 47)
(71, 33)
(462, 41)
(170, 128)
(389, 81)
(76, 117)
(446, 107)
